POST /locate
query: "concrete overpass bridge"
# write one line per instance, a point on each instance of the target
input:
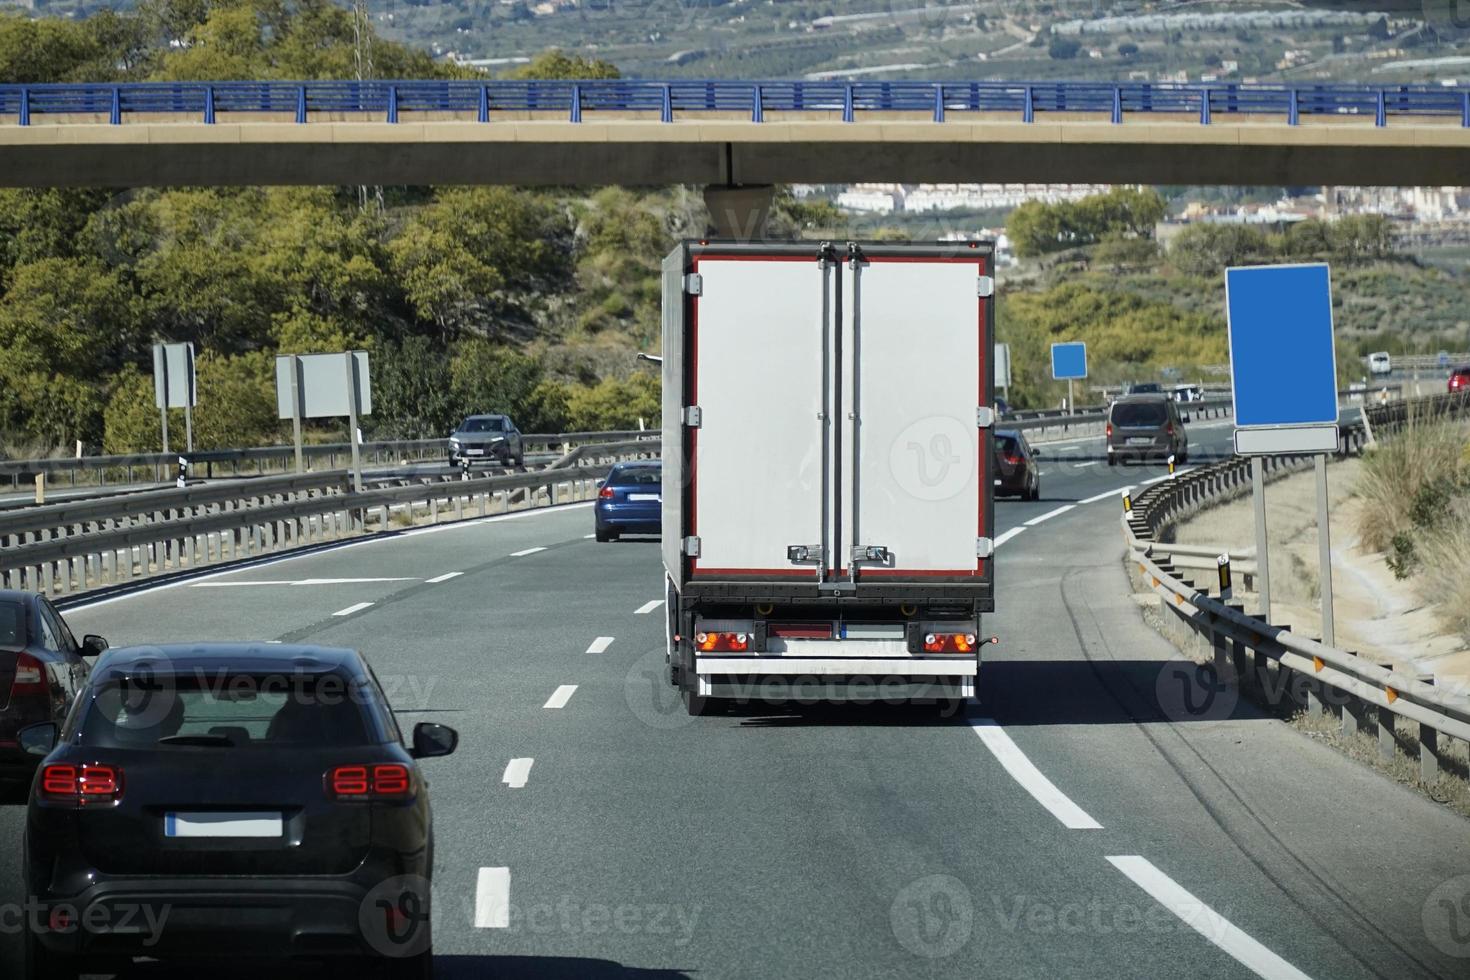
(727, 134)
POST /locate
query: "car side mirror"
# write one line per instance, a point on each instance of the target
(93, 645)
(1037, 453)
(432, 740)
(1184, 417)
(38, 739)
(600, 483)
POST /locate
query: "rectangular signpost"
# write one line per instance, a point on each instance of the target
(174, 387)
(1069, 363)
(313, 386)
(1283, 380)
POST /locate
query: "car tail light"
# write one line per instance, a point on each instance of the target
(606, 493)
(30, 676)
(1169, 429)
(734, 642)
(367, 784)
(85, 785)
(949, 642)
(1014, 460)
(1110, 430)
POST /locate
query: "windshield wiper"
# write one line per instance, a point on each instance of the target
(219, 741)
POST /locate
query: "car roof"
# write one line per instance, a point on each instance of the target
(245, 657)
(491, 415)
(16, 595)
(1012, 433)
(633, 464)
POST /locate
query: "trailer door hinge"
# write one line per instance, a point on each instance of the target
(694, 284)
(691, 546)
(984, 547)
(985, 286)
(693, 416)
(984, 417)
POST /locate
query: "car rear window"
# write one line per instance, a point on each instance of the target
(635, 476)
(230, 710)
(12, 624)
(1007, 445)
(1139, 413)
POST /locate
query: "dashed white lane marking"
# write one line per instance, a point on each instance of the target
(1111, 494)
(517, 771)
(355, 607)
(648, 607)
(1050, 514)
(1010, 756)
(600, 644)
(1205, 920)
(1080, 465)
(527, 551)
(588, 537)
(1008, 535)
(560, 696)
(444, 578)
(492, 899)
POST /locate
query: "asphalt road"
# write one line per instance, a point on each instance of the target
(1101, 827)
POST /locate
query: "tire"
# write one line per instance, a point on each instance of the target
(1112, 460)
(1035, 493)
(42, 964)
(1181, 458)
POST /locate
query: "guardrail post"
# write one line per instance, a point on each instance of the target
(939, 102)
(392, 103)
(1428, 753)
(25, 107)
(576, 104)
(1465, 109)
(209, 105)
(301, 103)
(1117, 104)
(1204, 107)
(848, 115)
(115, 116)
(757, 108)
(1387, 745)
(666, 109)
(484, 111)
(1293, 107)
(1028, 108)
(1380, 113)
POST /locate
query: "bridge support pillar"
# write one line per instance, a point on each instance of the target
(739, 211)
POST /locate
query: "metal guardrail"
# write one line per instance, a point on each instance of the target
(161, 466)
(200, 529)
(1331, 676)
(669, 100)
(1085, 418)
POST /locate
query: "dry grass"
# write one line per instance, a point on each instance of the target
(1403, 476)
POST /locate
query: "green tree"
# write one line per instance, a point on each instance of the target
(557, 64)
(1207, 249)
(615, 404)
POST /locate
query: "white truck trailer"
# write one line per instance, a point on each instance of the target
(828, 484)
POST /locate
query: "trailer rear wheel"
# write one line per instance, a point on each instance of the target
(696, 705)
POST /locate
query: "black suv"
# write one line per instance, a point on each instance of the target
(1144, 427)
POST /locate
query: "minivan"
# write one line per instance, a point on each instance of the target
(1144, 427)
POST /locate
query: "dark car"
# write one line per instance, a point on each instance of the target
(1143, 388)
(630, 500)
(1460, 379)
(1016, 473)
(42, 667)
(1142, 427)
(228, 802)
(486, 437)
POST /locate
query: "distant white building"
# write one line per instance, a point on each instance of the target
(872, 198)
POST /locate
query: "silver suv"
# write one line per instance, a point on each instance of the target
(1142, 427)
(486, 438)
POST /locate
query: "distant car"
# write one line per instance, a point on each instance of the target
(1142, 427)
(42, 667)
(630, 500)
(245, 801)
(486, 437)
(1003, 410)
(1380, 363)
(1460, 378)
(1188, 393)
(1016, 474)
(1143, 388)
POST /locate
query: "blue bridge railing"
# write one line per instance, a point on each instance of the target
(672, 100)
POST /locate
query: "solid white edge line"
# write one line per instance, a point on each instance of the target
(560, 696)
(1204, 920)
(329, 550)
(355, 607)
(492, 899)
(525, 552)
(1014, 761)
(517, 771)
(1050, 514)
(1008, 535)
(648, 607)
(443, 578)
(1111, 494)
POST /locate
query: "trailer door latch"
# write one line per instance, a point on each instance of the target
(691, 546)
(985, 286)
(984, 547)
(872, 554)
(984, 417)
(694, 284)
(693, 417)
(804, 554)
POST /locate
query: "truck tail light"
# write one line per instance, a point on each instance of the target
(949, 642)
(30, 676)
(728, 642)
(85, 785)
(368, 784)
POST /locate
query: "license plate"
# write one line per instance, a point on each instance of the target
(222, 825)
(644, 496)
(1140, 441)
(474, 452)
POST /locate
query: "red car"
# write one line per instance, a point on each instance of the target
(1460, 379)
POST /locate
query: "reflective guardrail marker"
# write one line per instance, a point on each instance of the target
(1223, 564)
(1127, 503)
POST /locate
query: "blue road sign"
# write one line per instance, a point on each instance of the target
(1068, 361)
(1283, 364)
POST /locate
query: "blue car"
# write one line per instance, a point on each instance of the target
(630, 500)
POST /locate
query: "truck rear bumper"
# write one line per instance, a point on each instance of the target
(814, 680)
